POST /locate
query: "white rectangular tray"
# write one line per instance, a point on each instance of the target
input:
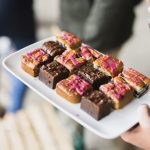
(109, 127)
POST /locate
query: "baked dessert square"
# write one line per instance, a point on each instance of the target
(139, 82)
(89, 53)
(52, 73)
(53, 48)
(70, 60)
(32, 61)
(119, 91)
(73, 88)
(92, 75)
(109, 65)
(96, 104)
(68, 40)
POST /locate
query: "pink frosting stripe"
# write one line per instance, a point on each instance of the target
(69, 38)
(62, 57)
(133, 76)
(118, 96)
(136, 74)
(67, 55)
(117, 89)
(85, 53)
(36, 54)
(110, 63)
(74, 61)
(88, 52)
(76, 83)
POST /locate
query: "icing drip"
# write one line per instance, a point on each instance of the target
(76, 83)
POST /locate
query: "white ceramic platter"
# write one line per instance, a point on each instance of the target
(109, 127)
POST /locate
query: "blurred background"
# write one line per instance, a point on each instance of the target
(23, 124)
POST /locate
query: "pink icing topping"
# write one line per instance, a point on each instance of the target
(36, 54)
(70, 55)
(76, 83)
(63, 56)
(69, 38)
(110, 63)
(136, 74)
(117, 88)
(88, 52)
(85, 53)
(74, 61)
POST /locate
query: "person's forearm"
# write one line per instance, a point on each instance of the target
(140, 135)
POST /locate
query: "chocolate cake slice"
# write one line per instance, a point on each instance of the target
(53, 48)
(96, 104)
(92, 75)
(52, 73)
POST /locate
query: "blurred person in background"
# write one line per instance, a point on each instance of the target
(105, 25)
(17, 23)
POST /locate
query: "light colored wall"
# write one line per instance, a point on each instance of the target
(47, 10)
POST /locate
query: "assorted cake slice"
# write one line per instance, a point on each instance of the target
(32, 61)
(68, 40)
(89, 53)
(73, 88)
(53, 48)
(52, 73)
(96, 104)
(109, 65)
(119, 91)
(92, 75)
(70, 60)
(139, 82)
(81, 73)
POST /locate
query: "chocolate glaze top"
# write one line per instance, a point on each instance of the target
(97, 97)
(55, 68)
(90, 72)
(53, 48)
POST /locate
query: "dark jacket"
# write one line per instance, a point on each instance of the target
(104, 24)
